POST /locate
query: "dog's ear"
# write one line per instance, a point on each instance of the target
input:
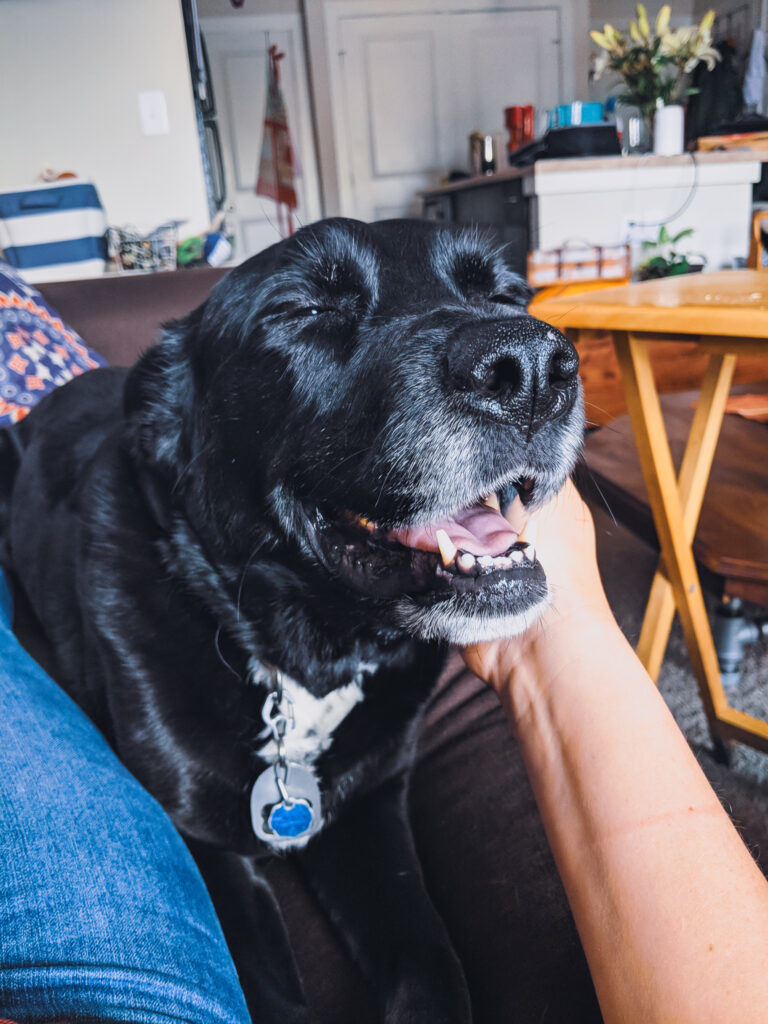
(160, 397)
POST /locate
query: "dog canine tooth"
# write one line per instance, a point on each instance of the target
(492, 501)
(465, 561)
(447, 548)
(530, 553)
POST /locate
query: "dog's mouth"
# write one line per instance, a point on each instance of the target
(472, 552)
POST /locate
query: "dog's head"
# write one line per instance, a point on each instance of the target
(350, 402)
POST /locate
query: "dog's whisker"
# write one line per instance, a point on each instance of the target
(327, 474)
(599, 408)
(186, 469)
(222, 659)
(243, 573)
(596, 485)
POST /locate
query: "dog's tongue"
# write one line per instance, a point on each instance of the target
(479, 529)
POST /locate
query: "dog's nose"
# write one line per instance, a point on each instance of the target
(519, 370)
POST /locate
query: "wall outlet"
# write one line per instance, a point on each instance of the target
(153, 111)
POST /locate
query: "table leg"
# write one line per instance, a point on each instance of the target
(691, 485)
(661, 483)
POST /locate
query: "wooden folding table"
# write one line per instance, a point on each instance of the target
(726, 313)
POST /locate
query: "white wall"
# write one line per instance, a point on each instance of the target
(70, 72)
(621, 12)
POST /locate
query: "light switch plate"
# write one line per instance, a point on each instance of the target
(153, 111)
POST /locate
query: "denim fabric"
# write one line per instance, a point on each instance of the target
(103, 913)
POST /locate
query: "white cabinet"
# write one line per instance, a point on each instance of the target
(608, 201)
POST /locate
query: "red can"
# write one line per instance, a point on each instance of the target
(519, 121)
(513, 119)
(528, 123)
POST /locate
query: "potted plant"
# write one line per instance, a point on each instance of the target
(666, 260)
(653, 62)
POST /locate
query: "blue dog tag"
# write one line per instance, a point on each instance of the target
(282, 818)
(292, 819)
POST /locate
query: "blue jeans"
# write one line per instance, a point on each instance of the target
(103, 913)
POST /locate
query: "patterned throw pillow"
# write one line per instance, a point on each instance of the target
(37, 351)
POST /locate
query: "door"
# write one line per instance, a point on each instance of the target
(409, 89)
(237, 52)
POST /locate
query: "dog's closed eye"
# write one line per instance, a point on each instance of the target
(309, 311)
(302, 310)
(515, 293)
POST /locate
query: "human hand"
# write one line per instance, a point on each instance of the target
(563, 533)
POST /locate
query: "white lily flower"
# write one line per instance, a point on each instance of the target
(600, 65)
(642, 22)
(662, 20)
(705, 28)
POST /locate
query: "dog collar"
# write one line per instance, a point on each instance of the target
(285, 798)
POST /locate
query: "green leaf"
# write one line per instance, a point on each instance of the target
(686, 233)
(663, 235)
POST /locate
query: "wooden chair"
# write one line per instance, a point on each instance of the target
(758, 258)
(731, 543)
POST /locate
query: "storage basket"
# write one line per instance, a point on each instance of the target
(54, 231)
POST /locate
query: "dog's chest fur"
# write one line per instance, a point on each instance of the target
(315, 719)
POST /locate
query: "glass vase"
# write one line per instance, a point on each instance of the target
(635, 130)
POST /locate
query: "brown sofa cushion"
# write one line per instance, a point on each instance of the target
(120, 315)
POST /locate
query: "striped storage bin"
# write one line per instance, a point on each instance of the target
(54, 231)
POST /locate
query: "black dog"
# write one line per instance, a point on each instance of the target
(246, 529)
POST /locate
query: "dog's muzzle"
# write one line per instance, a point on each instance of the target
(513, 389)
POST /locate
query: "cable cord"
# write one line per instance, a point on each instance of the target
(683, 208)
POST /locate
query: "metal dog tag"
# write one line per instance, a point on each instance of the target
(280, 818)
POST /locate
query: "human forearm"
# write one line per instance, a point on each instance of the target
(672, 911)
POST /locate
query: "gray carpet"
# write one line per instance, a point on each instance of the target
(627, 567)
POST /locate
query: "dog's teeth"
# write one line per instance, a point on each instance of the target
(528, 532)
(516, 555)
(447, 548)
(366, 524)
(465, 561)
(530, 553)
(492, 501)
(486, 561)
(503, 562)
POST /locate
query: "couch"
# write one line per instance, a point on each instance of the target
(120, 315)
